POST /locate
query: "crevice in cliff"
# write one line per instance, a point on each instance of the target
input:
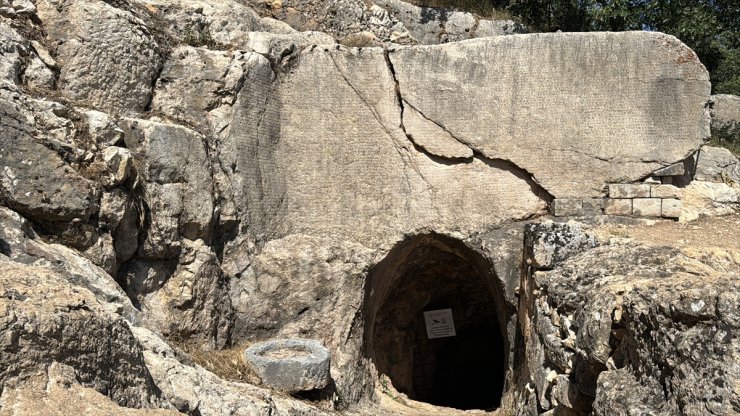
(519, 172)
(399, 149)
(148, 106)
(399, 99)
(497, 163)
(405, 103)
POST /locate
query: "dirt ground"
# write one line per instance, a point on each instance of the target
(720, 232)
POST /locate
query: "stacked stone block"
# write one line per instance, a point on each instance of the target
(629, 199)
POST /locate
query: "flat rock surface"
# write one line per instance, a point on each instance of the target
(601, 120)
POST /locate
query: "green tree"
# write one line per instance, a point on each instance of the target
(710, 27)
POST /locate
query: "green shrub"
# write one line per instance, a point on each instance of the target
(200, 37)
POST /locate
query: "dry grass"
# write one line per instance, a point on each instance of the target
(229, 364)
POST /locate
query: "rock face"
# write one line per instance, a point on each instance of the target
(189, 171)
(108, 56)
(587, 347)
(514, 167)
(45, 319)
(547, 137)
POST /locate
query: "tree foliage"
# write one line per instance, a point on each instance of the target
(710, 27)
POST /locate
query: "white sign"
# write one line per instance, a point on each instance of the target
(439, 323)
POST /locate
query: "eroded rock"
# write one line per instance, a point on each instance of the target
(178, 188)
(45, 319)
(108, 56)
(36, 181)
(597, 307)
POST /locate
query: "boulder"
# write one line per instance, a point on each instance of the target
(709, 199)
(716, 164)
(726, 117)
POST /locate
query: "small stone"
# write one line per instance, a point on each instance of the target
(618, 206)
(666, 191)
(675, 169)
(652, 179)
(24, 7)
(629, 190)
(646, 207)
(594, 206)
(103, 128)
(671, 208)
(43, 54)
(120, 164)
(567, 207)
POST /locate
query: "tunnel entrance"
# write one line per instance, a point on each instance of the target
(463, 363)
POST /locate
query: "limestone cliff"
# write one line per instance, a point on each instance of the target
(179, 173)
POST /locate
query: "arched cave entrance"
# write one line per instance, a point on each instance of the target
(440, 276)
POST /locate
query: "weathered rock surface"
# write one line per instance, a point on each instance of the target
(19, 242)
(716, 164)
(57, 393)
(179, 185)
(108, 57)
(13, 47)
(625, 329)
(36, 181)
(547, 137)
(190, 302)
(217, 75)
(45, 319)
(726, 117)
(225, 22)
(549, 243)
